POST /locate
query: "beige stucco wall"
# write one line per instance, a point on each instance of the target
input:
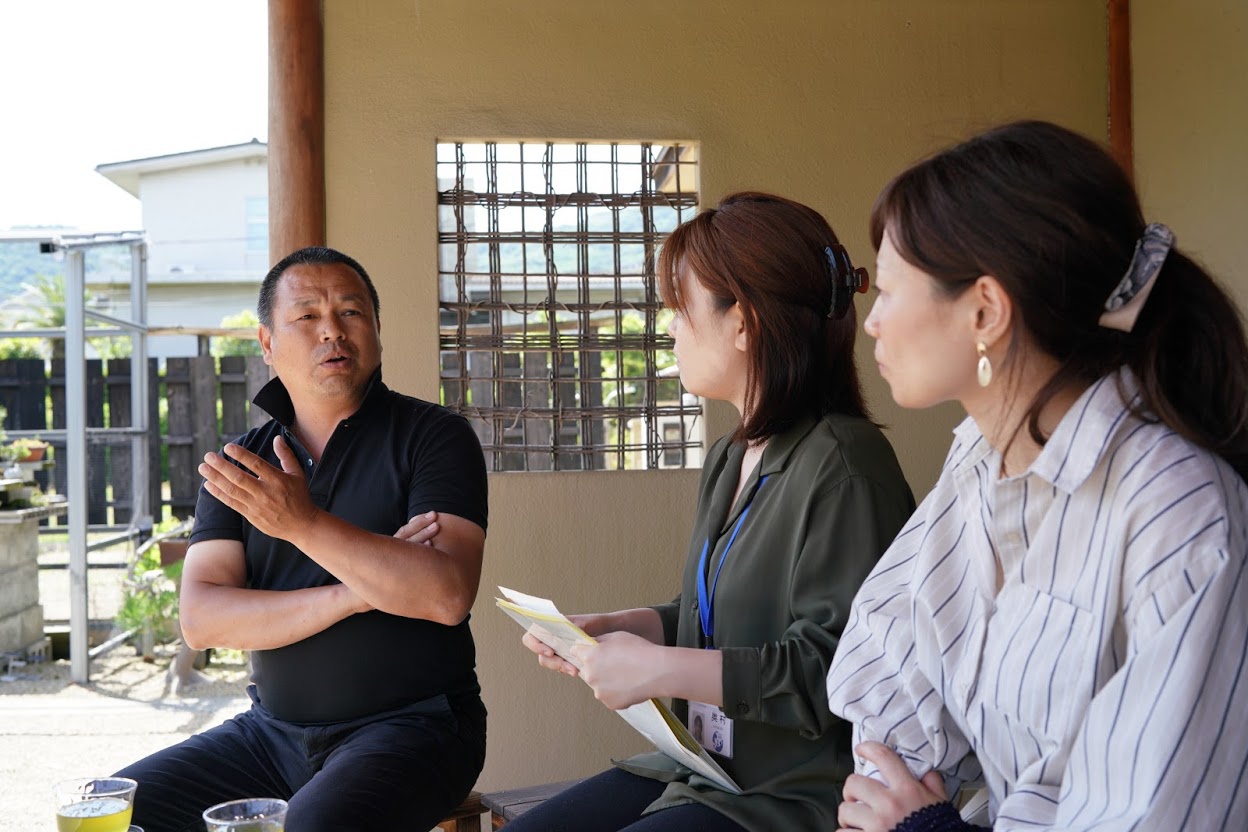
(1190, 81)
(818, 100)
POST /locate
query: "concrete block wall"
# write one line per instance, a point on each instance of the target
(21, 615)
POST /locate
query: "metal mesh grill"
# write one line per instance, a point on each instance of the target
(552, 334)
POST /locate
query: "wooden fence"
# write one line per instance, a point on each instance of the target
(207, 403)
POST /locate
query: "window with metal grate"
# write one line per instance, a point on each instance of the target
(552, 332)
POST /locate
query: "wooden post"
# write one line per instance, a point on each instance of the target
(1121, 136)
(120, 464)
(183, 464)
(233, 379)
(296, 127)
(97, 476)
(205, 429)
(257, 377)
(95, 503)
(56, 394)
(155, 479)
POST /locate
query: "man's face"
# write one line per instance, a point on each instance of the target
(324, 340)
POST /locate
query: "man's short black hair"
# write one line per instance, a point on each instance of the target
(310, 256)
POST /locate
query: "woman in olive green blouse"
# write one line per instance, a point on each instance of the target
(794, 509)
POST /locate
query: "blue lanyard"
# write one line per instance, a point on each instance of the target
(706, 599)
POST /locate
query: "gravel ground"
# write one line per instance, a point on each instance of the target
(52, 729)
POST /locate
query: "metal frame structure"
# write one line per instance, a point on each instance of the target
(75, 334)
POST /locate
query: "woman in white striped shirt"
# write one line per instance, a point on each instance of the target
(1066, 614)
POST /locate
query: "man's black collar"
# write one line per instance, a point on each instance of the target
(274, 398)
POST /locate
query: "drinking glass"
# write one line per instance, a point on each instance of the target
(94, 804)
(253, 814)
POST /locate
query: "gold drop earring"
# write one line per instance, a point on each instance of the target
(984, 370)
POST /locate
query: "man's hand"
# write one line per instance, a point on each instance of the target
(421, 529)
(274, 501)
(873, 806)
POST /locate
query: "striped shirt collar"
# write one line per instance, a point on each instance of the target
(1077, 445)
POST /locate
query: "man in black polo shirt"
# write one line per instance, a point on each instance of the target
(366, 710)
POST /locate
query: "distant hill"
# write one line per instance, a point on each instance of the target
(21, 262)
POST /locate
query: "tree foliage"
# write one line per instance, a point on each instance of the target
(229, 345)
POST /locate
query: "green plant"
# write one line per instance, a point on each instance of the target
(150, 599)
(15, 348)
(173, 527)
(109, 348)
(173, 539)
(228, 344)
(26, 495)
(23, 449)
(49, 313)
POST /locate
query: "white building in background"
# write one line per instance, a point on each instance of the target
(206, 215)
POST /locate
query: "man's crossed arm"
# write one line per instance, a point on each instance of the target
(436, 579)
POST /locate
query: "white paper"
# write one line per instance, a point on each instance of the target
(652, 719)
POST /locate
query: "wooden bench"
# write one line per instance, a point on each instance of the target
(509, 805)
(466, 817)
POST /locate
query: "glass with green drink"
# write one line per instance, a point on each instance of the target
(94, 804)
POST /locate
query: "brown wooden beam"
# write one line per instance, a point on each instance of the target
(1121, 136)
(296, 127)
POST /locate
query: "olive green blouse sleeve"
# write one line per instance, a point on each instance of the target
(669, 614)
(849, 525)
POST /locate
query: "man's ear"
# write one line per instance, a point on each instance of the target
(993, 310)
(265, 338)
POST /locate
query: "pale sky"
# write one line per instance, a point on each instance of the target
(85, 82)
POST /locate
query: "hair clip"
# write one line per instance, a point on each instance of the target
(846, 280)
(1123, 305)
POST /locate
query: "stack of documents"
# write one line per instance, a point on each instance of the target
(651, 718)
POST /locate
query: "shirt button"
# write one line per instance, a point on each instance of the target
(1013, 538)
(743, 708)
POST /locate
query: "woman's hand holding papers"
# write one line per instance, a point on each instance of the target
(622, 668)
(643, 622)
(631, 663)
(546, 656)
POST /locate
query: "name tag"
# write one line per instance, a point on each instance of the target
(711, 728)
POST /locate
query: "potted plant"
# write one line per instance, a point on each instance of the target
(24, 495)
(25, 456)
(150, 600)
(173, 536)
(28, 450)
(19, 489)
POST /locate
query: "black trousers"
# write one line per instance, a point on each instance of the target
(403, 769)
(612, 802)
